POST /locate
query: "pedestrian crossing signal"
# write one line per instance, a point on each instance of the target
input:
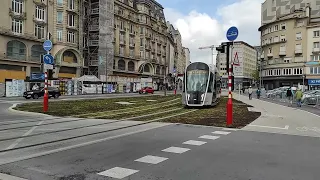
(236, 61)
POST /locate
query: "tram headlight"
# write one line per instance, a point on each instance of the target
(188, 97)
(202, 97)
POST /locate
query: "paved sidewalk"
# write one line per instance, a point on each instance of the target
(277, 118)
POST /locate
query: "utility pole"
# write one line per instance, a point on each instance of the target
(212, 47)
(164, 78)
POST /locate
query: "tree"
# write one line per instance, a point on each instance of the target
(255, 75)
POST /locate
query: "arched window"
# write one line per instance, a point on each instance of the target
(146, 68)
(162, 70)
(121, 65)
(69, 57)
(36, 51)
(16, 50)
(130, 66)
(158, 70)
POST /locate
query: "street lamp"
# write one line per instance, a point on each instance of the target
(261, 61)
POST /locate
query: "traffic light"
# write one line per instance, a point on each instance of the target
(50, 74)
(220, 49)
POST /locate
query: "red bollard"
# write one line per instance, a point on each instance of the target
(45, 102)
(229, 112)
(175, 91)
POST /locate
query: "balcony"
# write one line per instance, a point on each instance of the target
(270, 55)
(159, 52)
(19, 16)
(122, 42)
(316, 50)
(95, 8)
(298, 51)
(282, 52)
(132, 44)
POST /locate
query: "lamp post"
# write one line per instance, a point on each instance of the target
(261, 61)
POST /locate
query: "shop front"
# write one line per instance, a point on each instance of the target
(314, 84)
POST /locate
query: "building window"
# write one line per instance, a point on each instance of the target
(59, 35)
(141, 30)
(141, 41)
(298, 46)
(314, 70)
(131, 53)
(276, 28)
(298, 36)
(121, 25)
(17, 26)
(282, 38)
(60, 3)
(316, 45)
(316, 33)
(37, 51)
(17, 6)
(130, 66)
(131, 28)
(39, 31)
(71, 20)
(283, 26)
(270, 50)
(121, 50)
(121, 65)
(59, 17)
(71, 37)
(315, 58)
(71, 4)
(16, 50)
(40, 13)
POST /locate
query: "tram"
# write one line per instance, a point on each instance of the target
(202, 85)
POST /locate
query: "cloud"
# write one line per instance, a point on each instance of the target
(200, 29)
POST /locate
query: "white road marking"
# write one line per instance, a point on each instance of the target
(195, 143)
(177, 150)
(209, 137)
(230, 129)
(151, 159)
(285, 127)
(118, 172)
(16, 142)
(221, 132)
(9, 177)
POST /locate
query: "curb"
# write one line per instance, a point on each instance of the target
(9, 177)
(26, 112)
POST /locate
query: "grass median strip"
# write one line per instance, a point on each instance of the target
(87, 106)
(125, 110)
(142, 110)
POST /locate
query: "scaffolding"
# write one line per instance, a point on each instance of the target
(98, 23)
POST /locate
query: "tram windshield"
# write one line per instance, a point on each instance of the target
(197, 80)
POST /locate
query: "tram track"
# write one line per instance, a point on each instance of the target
(61, 130)
(85, 135)
(118, 111)
(22, 121)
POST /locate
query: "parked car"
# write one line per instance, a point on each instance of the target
(35, 94)
(146, 90)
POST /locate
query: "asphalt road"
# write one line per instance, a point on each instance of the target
(239, 155)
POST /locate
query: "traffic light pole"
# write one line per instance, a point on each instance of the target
(230, 74)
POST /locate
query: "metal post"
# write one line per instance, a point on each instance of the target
(45, 97)
(229, 103)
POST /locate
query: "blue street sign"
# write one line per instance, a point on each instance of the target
(48, 59)
(313, 81)
(47, 45)
(37, 76)
(232, 33)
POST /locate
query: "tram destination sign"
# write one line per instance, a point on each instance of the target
(197, 71)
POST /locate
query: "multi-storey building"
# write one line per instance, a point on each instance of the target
(287, 40)
(313, 56)
(187, 56)
(138, 38)
(179, 59)
(24, 27)
(246, 56)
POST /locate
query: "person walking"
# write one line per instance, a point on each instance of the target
(258, 93)
(298, 96)
(289, 95)
(250, 92)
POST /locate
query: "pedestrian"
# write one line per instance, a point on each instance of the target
(250, 92)
(289, 95)
(258, 93)
(299, 95)
(243, 90)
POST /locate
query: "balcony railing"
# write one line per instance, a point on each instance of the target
(298, 51)
(94, 28)
(93, 43)
(316, 50)
(282, 52)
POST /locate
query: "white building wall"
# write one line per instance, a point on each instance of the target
(311, 46)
